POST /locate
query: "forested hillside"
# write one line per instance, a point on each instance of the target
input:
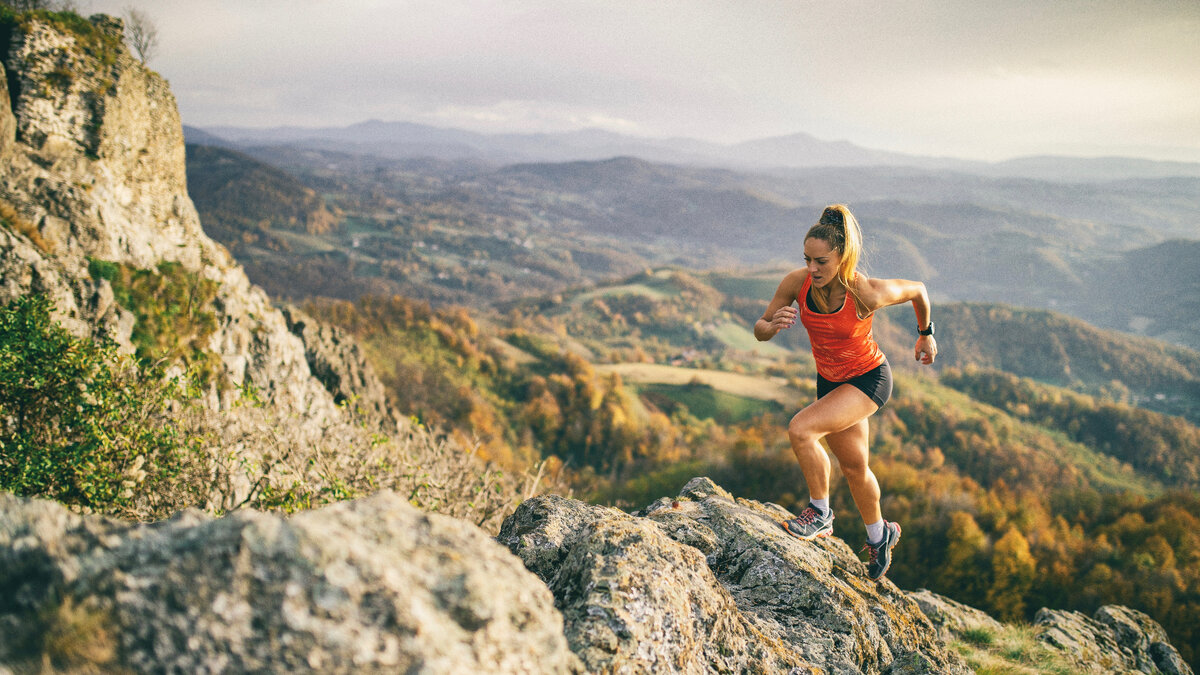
(1014, 493)
(245, 203)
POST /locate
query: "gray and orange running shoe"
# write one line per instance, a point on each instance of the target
(810, 525)
(881, 553)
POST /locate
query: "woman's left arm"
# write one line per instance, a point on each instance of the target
(887, 292)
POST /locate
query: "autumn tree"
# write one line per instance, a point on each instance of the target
(1013, 570)
(963, 571)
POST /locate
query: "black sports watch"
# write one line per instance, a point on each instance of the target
(927, 331)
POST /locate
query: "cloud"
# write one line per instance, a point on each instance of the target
(980, 78)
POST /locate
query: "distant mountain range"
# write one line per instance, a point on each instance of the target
(406, 140)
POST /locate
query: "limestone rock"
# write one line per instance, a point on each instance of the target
(952, 618)
(8, 123)
(95, 166)
(338, 362)
(1115, 640)
(359, 587)
(99, 162)
(706, 582)
(542, 530)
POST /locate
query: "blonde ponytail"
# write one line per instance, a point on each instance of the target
(839, 228)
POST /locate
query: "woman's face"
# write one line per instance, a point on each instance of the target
(822, 261)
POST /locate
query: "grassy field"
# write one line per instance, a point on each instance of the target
(518, 355)
(705, 402)
(752, 287)
(303, 244)
(627, 289)
(738, 336)
(758, 387)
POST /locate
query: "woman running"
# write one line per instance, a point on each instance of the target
(854, 380)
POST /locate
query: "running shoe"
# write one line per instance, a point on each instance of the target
(881, 553)
(810, 525)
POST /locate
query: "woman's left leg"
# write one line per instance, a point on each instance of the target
(850, 447)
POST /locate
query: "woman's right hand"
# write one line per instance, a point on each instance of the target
(785, 317)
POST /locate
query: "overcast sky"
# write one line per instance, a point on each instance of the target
(976, 79)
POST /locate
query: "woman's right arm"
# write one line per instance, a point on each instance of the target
(780, 314)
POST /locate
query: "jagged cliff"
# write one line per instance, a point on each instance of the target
(92, 168)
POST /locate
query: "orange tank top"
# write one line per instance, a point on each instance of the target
(842, 344)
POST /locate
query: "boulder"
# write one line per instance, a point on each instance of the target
(953, 618)
(706, 582)
(367, 586)
(1115, 639)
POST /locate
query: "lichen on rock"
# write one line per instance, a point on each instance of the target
(367, 586)
(706, 582)
(1115, 639)
(952, 618)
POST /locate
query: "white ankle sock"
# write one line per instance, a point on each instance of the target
(821, 504)
(875, 532)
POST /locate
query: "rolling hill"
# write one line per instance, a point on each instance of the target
(1071, 248)
(244, 202)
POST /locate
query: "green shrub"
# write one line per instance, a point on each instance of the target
(79, 422)
(174, 310)
(101, 45)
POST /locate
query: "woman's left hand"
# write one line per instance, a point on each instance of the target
(926, 349)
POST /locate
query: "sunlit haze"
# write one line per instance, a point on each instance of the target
(973, 79)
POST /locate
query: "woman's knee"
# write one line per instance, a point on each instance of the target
(854, 471)
(801, 432)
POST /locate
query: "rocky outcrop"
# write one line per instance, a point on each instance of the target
(1115, 640)
(360, 587)
(709, 583)
(94, 170)
(338, 362)
(952, 618)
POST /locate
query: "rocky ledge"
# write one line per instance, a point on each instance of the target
(700, 583)
(370, 586)
(706, 582)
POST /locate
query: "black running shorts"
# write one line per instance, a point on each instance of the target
(875, 383)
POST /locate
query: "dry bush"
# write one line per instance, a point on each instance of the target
(252, 457)
(102, 432)
(17, 223)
